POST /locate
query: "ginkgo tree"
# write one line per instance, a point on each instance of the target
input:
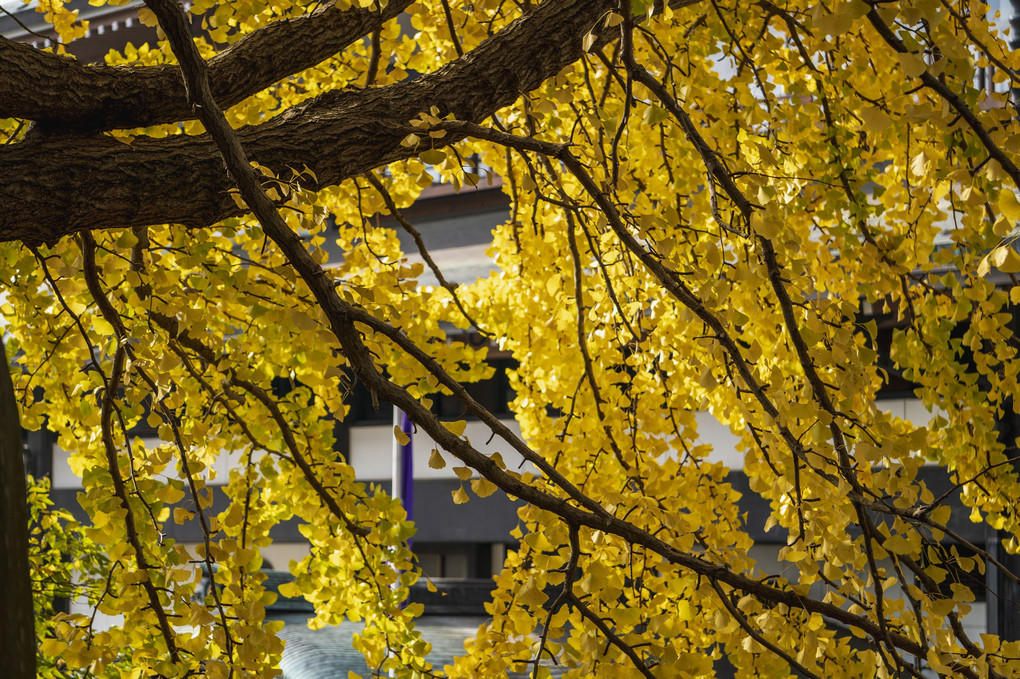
(708, 199)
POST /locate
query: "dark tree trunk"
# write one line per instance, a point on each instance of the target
(17, 620)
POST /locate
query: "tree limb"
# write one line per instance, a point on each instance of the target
(63, 93)
(97, 182)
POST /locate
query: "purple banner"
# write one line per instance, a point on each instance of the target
(407, 467)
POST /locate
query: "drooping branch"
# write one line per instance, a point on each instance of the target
(341, 317)
(951, 98)
(408, 227)
(110, 448)
(63, 93)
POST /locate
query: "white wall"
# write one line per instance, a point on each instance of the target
(216, 475)
(372, 446)
(724, 443)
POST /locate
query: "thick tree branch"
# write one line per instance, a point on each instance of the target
(61, 92)
(97, 182)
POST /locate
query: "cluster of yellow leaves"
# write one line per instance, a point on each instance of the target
(227, 290)
(875, 196)
(856, 173)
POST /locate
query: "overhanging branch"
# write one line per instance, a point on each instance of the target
(62, 93)
(97, 182)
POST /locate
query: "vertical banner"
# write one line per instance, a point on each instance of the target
(402, 486)
(407, 467)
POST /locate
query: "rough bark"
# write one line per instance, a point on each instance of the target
(60, 185)
(62, 93)
(17, 623)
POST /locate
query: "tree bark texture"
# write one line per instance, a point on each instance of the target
(60, 184)
(62, 93)
(17, 621)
